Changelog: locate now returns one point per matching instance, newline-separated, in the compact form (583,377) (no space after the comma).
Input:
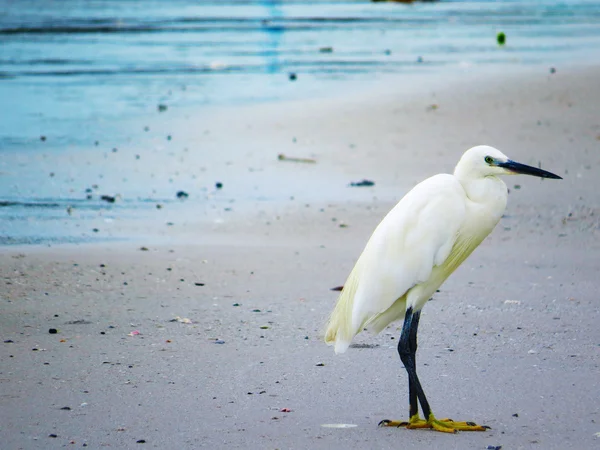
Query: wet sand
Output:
(511,341)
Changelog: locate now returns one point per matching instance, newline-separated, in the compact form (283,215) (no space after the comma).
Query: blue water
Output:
(74,70)
(66,64)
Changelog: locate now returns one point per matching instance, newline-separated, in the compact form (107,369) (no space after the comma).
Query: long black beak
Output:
(516,167)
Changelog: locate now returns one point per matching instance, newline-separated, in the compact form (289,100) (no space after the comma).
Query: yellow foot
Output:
(443,425)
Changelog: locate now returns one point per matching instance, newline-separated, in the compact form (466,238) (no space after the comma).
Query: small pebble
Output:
(363,183)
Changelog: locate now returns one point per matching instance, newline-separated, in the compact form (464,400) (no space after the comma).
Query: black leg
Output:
(407,348)
(412,336)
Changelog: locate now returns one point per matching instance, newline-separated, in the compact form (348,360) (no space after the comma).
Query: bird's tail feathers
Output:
(340,330)
(377,323)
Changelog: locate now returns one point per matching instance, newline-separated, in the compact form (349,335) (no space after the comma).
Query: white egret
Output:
(420,242)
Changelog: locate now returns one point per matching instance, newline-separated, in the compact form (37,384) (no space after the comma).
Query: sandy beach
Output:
(199,324)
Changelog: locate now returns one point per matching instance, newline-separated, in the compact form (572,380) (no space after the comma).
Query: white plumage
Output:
(420,242)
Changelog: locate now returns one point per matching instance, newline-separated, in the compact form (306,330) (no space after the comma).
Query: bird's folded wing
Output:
(416,235)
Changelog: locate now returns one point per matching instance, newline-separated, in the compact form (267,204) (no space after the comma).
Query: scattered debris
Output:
(364,345)
(66,408)
(78,322)
(339,425)
(286,410)
(433,107)
(162,108)
(362,183)
(134,333)
(293,76)
(181,320)
(43,138)
(108,198)
(282,157)
(501,38)
(512,302)
(144,249)
(52,331)
(320,365)
(515,415)
(219,185)
(337,288)
(198,284)
(552,70)
(219,341)
(494,447)
(182,194)
(326,50)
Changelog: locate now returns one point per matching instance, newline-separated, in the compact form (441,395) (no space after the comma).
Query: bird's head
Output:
(483,161)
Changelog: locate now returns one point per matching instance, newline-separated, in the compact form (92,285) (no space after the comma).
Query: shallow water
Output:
(67,65)
(72,73)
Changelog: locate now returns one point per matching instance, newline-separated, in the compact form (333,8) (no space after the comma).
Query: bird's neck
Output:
(487,191)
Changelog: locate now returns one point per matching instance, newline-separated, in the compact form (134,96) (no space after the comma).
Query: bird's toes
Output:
(392,423)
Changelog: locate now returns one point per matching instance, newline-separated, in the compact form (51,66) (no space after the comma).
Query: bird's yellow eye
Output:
(489,159)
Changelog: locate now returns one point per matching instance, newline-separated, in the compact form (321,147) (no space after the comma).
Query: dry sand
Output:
(511,341)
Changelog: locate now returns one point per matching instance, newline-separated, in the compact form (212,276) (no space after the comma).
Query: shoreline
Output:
(369,135)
